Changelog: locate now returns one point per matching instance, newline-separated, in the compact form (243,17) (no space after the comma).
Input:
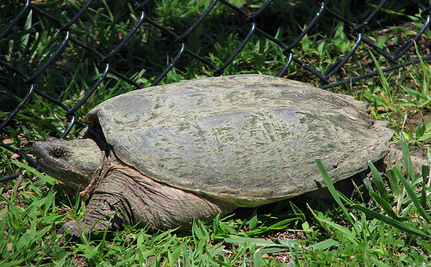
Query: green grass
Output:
(392,229)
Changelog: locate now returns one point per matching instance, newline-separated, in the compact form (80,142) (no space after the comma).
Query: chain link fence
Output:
(143,43)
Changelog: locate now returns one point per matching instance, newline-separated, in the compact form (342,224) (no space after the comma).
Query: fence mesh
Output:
(141,43)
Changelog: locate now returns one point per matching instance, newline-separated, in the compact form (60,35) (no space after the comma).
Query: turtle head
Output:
(72,162)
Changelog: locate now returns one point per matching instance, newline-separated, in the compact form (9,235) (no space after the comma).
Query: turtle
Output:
(164,155)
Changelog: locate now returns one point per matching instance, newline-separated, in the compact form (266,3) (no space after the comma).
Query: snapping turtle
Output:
(164,155)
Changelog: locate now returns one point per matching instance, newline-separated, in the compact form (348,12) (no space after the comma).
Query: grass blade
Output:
(335,194)
(393,183)
(407,160)
(414,197)
(379,181)
(325,244)
(261,242)
(341,229)
(425,179)
(383,80)
(384,204)
(46,178)
(400,225)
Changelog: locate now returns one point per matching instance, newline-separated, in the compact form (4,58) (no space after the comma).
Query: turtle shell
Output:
(246,139)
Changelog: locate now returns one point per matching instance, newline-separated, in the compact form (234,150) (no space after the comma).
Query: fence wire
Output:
(27,63)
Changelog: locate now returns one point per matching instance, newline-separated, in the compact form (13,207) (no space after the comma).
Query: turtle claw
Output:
(80,228)
(72,226)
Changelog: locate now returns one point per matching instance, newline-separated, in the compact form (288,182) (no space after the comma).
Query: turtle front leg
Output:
(104,211)
(108,207)
(125,196)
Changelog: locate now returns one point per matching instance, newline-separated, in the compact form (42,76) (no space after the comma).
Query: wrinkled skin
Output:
(120,194)
(164,155)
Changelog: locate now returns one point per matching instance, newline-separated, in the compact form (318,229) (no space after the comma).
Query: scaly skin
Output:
(125,196)
(164,155)
(120,194)
(72,162)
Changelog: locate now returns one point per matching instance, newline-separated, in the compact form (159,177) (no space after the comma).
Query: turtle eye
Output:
(58,152)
